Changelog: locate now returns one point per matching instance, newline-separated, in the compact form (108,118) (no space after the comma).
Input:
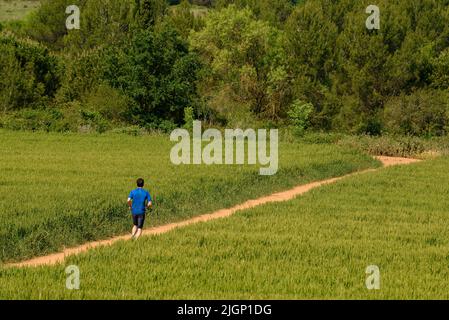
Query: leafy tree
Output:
(102,22)
(245,57)
(440,71)
(83,72)
(258,58)
(422,113)
(274,11)
(47,23)
(31,74)
(349,72)
(299,115)
(311,41)
(158,73)
(148,12)
(184,19)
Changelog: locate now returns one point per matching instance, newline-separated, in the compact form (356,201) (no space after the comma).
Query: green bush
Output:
(130,130)
(393,146)
(273,11)
(102,22)
(70,117)
(245,63)
(84,83)
(422,113)
(440,75)
(92,121)
(349,73)
(47,23)
(38,120)
(110,103)
(82,73)
(299,115)
(148,12)
(30,74)
(158,73)
(164,126)
(185,19)
(188,118)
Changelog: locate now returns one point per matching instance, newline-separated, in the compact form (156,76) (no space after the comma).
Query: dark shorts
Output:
(138,220)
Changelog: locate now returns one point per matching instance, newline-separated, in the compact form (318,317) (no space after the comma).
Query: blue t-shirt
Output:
(139,197)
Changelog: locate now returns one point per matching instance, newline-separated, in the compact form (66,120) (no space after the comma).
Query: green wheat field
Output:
(316,246)
(62,190)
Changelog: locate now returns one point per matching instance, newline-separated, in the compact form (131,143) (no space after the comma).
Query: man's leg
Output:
(135,222)
(138,233)
(140,221)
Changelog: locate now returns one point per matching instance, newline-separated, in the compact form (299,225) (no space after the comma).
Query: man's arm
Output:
(150,202)
(130,203)
(130,200)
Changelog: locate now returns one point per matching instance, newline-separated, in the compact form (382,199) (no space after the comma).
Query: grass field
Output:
(316,246)
(62,190)
(16,9)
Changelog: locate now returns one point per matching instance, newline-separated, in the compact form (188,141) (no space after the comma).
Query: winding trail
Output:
(276,197)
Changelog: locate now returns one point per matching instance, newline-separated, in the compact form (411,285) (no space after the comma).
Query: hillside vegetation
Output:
(305,64)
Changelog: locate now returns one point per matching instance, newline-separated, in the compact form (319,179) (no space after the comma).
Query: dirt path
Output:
(276,197)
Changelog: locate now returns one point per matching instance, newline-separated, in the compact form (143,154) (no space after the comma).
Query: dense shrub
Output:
(349,73)
(188,118)
(390,145)
(83,72)
(102,22)
(110,103)
(245,63)
(148,12)
(158,73)
(273,11)
(70,117)
(440,71)
(47,23)
(299,116)
(29,74)
(38,120)
(393,146)
(184,19)
(422,113)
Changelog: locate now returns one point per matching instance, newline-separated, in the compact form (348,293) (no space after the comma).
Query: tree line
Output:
(158,64)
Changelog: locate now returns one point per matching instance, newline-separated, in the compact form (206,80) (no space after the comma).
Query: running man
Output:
(139,201)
